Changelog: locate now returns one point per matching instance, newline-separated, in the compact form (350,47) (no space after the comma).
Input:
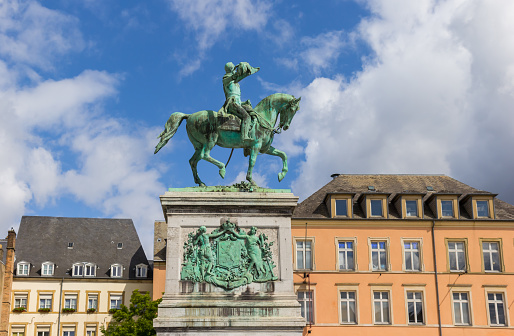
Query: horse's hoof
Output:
(201,184)
(281,176)
(222,173)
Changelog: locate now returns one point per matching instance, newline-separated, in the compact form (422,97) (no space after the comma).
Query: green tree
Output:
(136,320)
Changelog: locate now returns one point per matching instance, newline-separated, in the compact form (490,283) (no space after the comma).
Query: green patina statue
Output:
(227,257)
(235,125)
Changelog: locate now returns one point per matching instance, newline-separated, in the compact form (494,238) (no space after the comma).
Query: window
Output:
(116,271)
(68,333)
(116,301)
(496,307)
(304,254)
(457,256)
(70,245)
(412,253)
(78,270)
(18,331)
(461,308)
(491,253)
(91,330)
(379,255)
(43,331)
(307,306)
(346,261)
(120,246)
(415,307)
(92,301)
(20,300)
(45,301)
(482,209)
(348,304)
(141,271)
(23,268)
(376,208)
(341,207)
(447,208)
(47,269)
(70,301)
(381,307)
(90,270)
(411,208)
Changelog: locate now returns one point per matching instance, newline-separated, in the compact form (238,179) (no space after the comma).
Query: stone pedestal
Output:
(268,308)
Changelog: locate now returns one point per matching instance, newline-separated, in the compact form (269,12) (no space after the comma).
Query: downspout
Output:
(436,281)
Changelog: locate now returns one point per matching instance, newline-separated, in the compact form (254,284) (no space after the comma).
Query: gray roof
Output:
(315,207)
(95,240)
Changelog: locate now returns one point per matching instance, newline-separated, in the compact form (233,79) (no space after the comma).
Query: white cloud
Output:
(35,35)
(435,96)
(322,51)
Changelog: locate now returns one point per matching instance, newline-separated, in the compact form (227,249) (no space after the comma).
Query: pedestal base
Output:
(269,308)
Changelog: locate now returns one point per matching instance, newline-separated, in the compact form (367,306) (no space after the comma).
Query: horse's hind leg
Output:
(193,162)
(207,155)
(251,164)
(273,151)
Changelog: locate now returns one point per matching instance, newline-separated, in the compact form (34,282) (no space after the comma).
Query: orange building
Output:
(404,255)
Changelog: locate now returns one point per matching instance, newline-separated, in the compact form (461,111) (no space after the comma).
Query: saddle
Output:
(230,122)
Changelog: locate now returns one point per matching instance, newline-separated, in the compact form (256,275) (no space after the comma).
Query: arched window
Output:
(23,268)
(141,271)
(47,268)
(116,271)
(89,270)
(78,270)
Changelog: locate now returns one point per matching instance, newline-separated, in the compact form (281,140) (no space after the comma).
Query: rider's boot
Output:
(245,129)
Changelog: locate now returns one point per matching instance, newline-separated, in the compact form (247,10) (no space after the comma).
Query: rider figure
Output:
(231,79)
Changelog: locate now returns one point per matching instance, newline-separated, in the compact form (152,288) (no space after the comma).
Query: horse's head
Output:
(288,112)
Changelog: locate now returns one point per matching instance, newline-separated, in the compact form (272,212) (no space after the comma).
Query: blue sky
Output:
(392,86)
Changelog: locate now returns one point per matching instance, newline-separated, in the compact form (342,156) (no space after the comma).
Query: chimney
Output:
(334,175)
(7,288)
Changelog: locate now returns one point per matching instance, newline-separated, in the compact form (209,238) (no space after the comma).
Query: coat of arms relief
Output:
(227,257)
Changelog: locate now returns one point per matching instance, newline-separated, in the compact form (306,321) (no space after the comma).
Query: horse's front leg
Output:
(251,164)
(273,151)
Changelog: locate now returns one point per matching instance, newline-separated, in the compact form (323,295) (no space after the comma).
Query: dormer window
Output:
(482,209)
(23,268)
(70,245)
(339,204)
(47,268)
(341,207)
(444,205)
(120,246)
(141,271)
(376,208)
(78,270)
(116,271)
(411,208)
(90,270)
(447,208)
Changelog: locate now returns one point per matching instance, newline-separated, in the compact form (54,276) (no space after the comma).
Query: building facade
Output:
(71,274)
(404,254)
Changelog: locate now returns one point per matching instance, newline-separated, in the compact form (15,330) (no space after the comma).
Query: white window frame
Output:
(371,250)
(47,268)
(407,240)
(21,299)
(43,332)
(91,330)
(414,300)
(304,252)
(455,252)
(497,290)
(70,300)
(141,271)
(352,240)
(460,302)
(117,298)
(75,267)
(23,268)
(307,304)
(116,271)
(92,298)
(48,299)
(89,270)
(17,330)
(348,302)
(490,253)
(381,301)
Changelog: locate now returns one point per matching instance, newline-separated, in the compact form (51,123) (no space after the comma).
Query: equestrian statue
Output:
(236,125)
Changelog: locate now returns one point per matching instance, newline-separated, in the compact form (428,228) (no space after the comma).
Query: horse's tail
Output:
(170,128)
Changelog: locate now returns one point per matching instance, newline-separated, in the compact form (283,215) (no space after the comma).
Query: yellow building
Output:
(71,274)
(404,255)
